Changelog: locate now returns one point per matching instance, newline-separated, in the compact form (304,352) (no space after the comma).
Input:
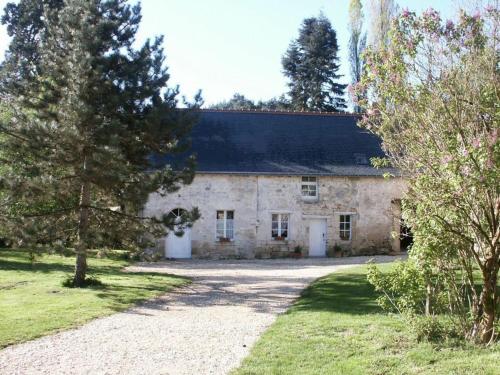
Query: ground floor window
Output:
(345,227)
(225,224)
(279,226)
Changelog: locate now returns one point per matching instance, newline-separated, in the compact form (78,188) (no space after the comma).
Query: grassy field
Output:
(33,303)
(336,327)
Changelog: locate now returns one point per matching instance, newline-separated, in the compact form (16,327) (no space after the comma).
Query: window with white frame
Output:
(309,187)
(225,224)
(279,226)
(345,227)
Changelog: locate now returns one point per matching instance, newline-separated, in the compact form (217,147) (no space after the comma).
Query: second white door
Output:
(317,238)
(178,247)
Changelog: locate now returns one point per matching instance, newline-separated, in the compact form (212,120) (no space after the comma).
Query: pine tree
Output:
(311,64)
(88,113)
(357,42)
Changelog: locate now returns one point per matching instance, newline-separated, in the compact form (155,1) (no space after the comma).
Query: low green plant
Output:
(403,289)
(90,282)
(433,328)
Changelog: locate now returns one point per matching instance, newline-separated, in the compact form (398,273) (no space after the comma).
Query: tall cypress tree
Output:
(311,64)
(382,12)
(88,112)
(357,43)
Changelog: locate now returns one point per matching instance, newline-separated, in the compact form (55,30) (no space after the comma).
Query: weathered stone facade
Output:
(372,203)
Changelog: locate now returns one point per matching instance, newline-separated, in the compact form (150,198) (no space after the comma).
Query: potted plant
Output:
(279,238)
(297,252)
(224,239)
(337,250)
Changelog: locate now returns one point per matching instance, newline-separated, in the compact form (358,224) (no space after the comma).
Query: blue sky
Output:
(227,46)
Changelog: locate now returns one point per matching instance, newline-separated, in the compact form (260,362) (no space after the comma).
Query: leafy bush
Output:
(403,289)
(433,328)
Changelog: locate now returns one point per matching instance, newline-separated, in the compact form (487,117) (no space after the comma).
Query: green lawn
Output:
(33,303)
(336,327)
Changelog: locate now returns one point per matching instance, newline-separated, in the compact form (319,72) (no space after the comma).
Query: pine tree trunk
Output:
(488,300)
(81,248)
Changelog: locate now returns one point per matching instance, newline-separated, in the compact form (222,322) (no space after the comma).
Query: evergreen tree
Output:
(88,112)
(357,43)
(237,102)
(240,102)
(280,103)
(311,64)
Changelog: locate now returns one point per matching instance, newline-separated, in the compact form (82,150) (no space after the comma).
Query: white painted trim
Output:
(350,227)
(225,224)
(315,183)
(289,213)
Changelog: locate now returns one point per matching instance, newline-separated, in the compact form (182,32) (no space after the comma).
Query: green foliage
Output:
(433,100)
(403,288)
(382,14)
(311,64)
(240,102)
(357,42)
(237,102)
(433,328)
(90,116)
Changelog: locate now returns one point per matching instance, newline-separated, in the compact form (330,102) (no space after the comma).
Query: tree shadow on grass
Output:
(341,293)
(38,266)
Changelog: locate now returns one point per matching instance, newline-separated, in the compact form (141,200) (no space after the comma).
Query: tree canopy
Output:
(382,12)
(87,112)
(434,94)
(240,102)
(357,42)
(311,64)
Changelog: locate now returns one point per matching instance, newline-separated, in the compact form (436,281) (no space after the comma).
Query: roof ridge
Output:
(281,112)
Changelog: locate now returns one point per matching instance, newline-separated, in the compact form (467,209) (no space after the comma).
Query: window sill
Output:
(280,239)
(224,240)
(310,199)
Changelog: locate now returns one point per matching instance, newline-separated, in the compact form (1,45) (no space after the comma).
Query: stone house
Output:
(268,183)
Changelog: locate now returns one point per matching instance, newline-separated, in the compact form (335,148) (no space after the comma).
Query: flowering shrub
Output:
(433,98)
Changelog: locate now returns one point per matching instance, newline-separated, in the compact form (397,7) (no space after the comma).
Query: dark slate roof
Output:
(283,143)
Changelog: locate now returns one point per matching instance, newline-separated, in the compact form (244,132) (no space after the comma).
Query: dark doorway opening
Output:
(405,237)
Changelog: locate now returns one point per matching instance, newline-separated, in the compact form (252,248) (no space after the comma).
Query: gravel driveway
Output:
(207,327)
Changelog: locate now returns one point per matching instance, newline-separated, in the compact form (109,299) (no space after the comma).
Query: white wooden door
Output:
(178,246)
(317,238)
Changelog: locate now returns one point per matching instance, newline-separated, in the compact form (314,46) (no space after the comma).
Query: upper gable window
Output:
(309,188)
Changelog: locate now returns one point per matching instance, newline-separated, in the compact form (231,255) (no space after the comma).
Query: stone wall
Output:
(370,201)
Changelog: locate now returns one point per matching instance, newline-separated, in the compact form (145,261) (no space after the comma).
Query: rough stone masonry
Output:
(371,202)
